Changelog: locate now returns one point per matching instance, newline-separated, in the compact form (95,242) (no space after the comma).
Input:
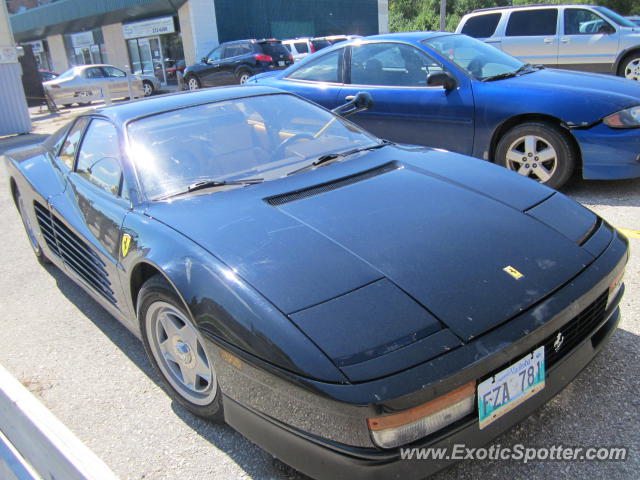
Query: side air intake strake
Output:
(74,252)
(333,185)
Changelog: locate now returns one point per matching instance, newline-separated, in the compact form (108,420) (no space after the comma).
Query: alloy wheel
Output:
(193,84)
(532,156)
(632,69)
(179,352)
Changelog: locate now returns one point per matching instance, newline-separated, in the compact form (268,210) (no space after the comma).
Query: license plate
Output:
(281,63)
(510,387)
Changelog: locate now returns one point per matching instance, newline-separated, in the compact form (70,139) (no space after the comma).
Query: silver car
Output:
(86,83)
(575,37)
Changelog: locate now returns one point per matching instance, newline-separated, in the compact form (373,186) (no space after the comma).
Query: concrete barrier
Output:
(39,442)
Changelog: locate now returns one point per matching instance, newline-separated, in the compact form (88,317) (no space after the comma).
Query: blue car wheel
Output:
(539,151)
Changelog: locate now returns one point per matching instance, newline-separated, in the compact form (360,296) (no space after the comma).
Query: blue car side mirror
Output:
(441,79)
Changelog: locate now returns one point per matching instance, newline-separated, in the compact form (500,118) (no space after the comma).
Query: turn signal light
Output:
(401,428)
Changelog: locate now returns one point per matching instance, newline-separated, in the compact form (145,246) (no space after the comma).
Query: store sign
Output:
(82,39)
(148,28)
(36,46)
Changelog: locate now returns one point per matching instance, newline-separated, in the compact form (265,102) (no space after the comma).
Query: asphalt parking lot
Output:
(93,374)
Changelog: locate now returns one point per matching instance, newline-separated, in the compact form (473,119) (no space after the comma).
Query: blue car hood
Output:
(575,97)
(440,226)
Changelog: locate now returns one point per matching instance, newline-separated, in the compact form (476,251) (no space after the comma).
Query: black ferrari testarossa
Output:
(331,296)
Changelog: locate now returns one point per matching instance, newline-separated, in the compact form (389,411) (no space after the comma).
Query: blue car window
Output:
(390,64)
(99,156)
(67,152)
(326,68)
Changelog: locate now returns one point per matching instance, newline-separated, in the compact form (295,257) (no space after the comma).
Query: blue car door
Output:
(405,109)
(320,79)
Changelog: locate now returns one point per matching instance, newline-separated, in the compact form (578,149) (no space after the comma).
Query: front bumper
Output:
(608,153)
(323,459)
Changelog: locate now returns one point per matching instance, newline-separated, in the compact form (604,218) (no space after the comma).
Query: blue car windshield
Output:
(477,58)
(261,137)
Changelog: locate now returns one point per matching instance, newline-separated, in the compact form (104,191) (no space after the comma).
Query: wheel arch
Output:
(623,55)
(533,117)
(142,272)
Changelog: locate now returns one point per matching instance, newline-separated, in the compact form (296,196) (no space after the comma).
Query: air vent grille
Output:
(75,253)
(333,185)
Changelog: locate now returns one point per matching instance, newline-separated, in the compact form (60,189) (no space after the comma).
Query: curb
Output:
(45,443)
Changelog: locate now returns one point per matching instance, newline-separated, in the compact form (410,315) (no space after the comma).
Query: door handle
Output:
(348,98)
(548,40)
(564,40)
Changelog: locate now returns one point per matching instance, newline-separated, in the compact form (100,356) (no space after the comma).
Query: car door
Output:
(588,41)
(320,79)
(210,73)
(405,109)
(234,56)
(118,81)
(532,35)
(97,84)
(90,212)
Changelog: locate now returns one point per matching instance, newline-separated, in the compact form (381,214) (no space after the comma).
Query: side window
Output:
(99,156)
(94,72)
(67,152)
(481,26)
(529,23)
(302,47)
(215,54)
(327,68)
(390,64)
(287,46)
(578,21)
(114,72)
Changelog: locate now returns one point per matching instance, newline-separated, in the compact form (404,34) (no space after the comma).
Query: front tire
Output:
(242,76)
(630,67)
(537,150)
(193,83)
(147,88)
(31,234)
(176,350)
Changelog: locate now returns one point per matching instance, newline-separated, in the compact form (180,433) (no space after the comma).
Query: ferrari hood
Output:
(469,257)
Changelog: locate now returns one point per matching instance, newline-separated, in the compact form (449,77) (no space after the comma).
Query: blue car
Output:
(457,93)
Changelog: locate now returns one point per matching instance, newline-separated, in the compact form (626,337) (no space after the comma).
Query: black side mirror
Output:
(441,79)
(355,103)
(204,60)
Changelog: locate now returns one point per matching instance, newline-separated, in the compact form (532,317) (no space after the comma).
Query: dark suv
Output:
(234,62)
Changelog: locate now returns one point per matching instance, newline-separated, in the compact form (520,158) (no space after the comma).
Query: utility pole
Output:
(443,15)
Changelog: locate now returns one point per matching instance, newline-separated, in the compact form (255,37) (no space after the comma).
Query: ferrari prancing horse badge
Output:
(126,242)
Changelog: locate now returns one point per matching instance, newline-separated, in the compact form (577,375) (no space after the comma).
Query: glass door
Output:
(158,59)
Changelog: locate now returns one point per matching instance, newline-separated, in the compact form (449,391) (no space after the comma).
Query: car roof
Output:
(124,112)
(406,36)
(530,6)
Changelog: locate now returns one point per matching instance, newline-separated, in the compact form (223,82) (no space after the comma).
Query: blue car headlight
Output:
(627,118)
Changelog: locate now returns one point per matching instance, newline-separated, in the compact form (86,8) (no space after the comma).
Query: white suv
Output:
(576,37)
(301,47)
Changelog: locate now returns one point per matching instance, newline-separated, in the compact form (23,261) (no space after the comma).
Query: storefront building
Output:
(161,37)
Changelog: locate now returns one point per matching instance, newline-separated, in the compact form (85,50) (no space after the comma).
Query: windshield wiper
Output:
(330,157)
(526,68)
(212,184)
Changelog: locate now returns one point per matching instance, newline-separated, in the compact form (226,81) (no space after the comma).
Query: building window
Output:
(85,48)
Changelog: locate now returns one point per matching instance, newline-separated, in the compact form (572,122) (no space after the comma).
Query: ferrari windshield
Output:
(477,58)
(261,137)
